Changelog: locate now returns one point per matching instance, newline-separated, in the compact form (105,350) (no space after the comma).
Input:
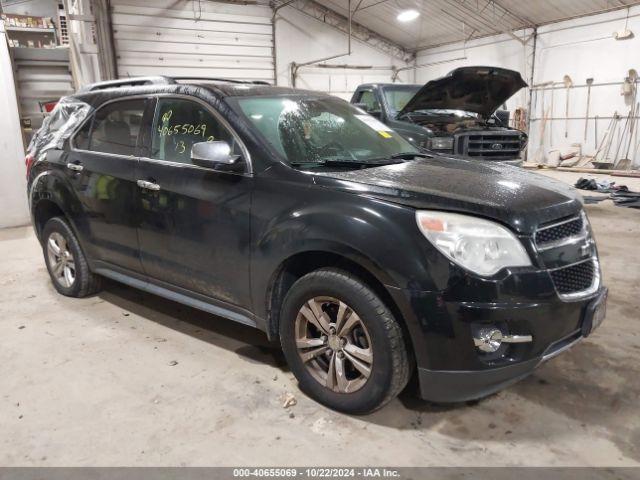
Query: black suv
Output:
(291,211)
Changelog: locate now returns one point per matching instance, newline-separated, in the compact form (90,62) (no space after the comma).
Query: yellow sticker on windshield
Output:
(384,134)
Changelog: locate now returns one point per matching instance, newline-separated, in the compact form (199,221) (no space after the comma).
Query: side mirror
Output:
(503,117)
(362,106)
(216,155)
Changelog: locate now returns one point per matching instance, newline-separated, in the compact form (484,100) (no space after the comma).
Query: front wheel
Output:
(342,342)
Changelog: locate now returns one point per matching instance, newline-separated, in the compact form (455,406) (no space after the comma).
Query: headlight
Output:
(441,143)
(481,246)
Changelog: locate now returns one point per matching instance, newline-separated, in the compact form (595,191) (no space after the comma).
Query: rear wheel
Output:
(67,265)
(342,343)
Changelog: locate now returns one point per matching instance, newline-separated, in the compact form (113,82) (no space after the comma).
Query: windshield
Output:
(398,97)
(318,130)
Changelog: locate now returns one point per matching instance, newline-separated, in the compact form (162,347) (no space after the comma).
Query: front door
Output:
(367,98)
(194,226)
(101,167)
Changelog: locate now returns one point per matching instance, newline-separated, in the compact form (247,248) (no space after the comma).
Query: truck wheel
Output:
(67,265)
(342,343)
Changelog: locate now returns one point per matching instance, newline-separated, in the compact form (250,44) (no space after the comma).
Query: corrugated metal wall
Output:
(191,38)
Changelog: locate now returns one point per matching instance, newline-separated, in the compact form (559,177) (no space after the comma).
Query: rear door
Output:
(194,226)
(101,167)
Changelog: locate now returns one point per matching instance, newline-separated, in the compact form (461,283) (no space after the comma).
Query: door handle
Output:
(75,167)
(148,185)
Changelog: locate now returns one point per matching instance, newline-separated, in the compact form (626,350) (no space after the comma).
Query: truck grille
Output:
(490,145)
(556,233)
(574,278)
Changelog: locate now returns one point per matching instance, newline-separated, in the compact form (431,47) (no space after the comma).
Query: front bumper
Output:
(460,386)
(450,367)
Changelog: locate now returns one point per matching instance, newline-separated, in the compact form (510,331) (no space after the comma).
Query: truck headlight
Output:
(441,143)
(481,246)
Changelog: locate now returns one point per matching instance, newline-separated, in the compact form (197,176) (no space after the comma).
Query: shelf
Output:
(59,54)
(9,28)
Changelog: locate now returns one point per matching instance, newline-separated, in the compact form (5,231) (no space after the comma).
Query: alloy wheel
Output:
(61,261)
(334,344)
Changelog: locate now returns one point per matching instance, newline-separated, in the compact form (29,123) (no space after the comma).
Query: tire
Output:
(376,336)
(57,233)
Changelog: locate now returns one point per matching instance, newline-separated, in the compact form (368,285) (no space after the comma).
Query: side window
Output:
(180,123)
(368,98)
(114,129)
(81,140)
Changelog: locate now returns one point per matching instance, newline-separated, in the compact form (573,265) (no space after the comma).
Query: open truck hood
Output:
(473,89)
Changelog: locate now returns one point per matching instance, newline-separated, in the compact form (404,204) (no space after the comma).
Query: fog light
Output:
(488,340)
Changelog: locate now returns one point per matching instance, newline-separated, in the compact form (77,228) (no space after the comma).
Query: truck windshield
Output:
(324,130)
(398,97)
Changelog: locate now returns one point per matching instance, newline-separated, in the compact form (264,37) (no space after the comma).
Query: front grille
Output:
(559,231)
(574,278)
(490,145)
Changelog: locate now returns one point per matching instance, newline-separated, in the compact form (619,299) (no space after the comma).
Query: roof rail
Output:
(158,80)
(228,80)
(126,82)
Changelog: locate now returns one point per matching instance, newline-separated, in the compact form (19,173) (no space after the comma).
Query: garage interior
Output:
(128,378)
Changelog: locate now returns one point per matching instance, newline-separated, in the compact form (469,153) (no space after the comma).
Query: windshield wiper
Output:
(409,155)
(343,163)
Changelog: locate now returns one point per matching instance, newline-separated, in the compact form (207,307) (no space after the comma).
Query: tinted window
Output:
(369,99)
(178,124)
(114,129)
(81,140)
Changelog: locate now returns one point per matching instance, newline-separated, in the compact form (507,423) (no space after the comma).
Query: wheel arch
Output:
(301,263)
(50,196)
(43,210)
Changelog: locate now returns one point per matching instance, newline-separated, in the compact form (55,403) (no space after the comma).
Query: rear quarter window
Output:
(68,114)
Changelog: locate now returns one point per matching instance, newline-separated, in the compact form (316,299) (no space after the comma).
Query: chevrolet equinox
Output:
(297,213)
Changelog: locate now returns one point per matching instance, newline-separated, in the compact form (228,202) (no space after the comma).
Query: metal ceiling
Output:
(447,21)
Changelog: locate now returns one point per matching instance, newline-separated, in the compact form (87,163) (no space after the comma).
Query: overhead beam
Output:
(525,21)
(359,32)
(479,18)
(522,41)
(373,4)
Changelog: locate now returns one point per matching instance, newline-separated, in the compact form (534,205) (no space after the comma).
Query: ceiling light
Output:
(408,15)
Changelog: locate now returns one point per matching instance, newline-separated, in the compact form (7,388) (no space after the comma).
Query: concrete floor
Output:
(94,382)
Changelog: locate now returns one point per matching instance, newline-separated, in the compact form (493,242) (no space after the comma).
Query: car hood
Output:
(473,89)
(510,195)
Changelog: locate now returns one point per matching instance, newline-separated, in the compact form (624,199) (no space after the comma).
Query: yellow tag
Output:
(384,134)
